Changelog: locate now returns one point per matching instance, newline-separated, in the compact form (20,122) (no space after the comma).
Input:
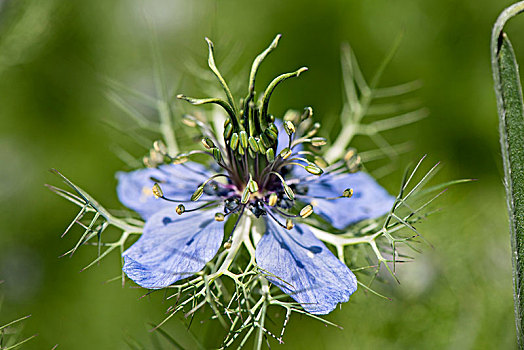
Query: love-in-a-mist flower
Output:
(261,167)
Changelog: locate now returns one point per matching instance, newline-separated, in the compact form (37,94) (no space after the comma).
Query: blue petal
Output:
(301,266)
(173,247)
(176,181)
(369,199)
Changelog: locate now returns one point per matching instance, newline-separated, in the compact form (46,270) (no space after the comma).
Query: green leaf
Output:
(511,126)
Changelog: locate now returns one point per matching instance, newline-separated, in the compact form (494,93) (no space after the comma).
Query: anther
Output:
(271,134)
(306,211)
(289,224)
(285,153)
(243,139)
(180,209)
(157,191)
(197,194)
(318,141)
(252,185)
(313,169)
(156,157)
(261,147)
(321,162)
(245,196)
(189,122)
(219,217)
(233,142)
(289,127)
(273,198)
(160,147)
(227,245)
(217,155)
(270,155)
(180,159)
(253,144)
(348,193)
(208,143)
(228,130)
(147,162)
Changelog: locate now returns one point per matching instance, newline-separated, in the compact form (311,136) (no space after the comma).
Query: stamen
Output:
(306,211)
(273,198)
(287,190)
(157,191)
(200,190)
(289,127)
(160,147)
(270,155)
(206,141)
(180,209)
(289,224)
(219,217)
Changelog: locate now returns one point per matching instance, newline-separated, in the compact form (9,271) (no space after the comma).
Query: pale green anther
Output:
(313,130)
(306,211)
(147,162)
(261,147)
(313,169)
(273,198)
(241,151)
(348,192)
(245,196)
(353,164)
(285,153)
(157,191)
(289,127)
(228,130)
(180,209)
(233,142)
(243,139)
(252,185)
(270,155)
(252,154)
(156,157)
(273,127)
(265,140)
(253,144)
(308,112)
(219,217)
(217,155)
(321,162)
(288,191)
(189,122)
(160,147)
(318,141)
(198,193)
(208,143)
(227,122)
(271,133)
(180,159)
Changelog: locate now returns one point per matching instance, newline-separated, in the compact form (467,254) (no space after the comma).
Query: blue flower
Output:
(266,173)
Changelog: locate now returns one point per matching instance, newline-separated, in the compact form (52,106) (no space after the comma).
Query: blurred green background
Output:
(53,57)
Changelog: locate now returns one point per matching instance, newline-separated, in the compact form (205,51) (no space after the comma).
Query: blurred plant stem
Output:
(511,127)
